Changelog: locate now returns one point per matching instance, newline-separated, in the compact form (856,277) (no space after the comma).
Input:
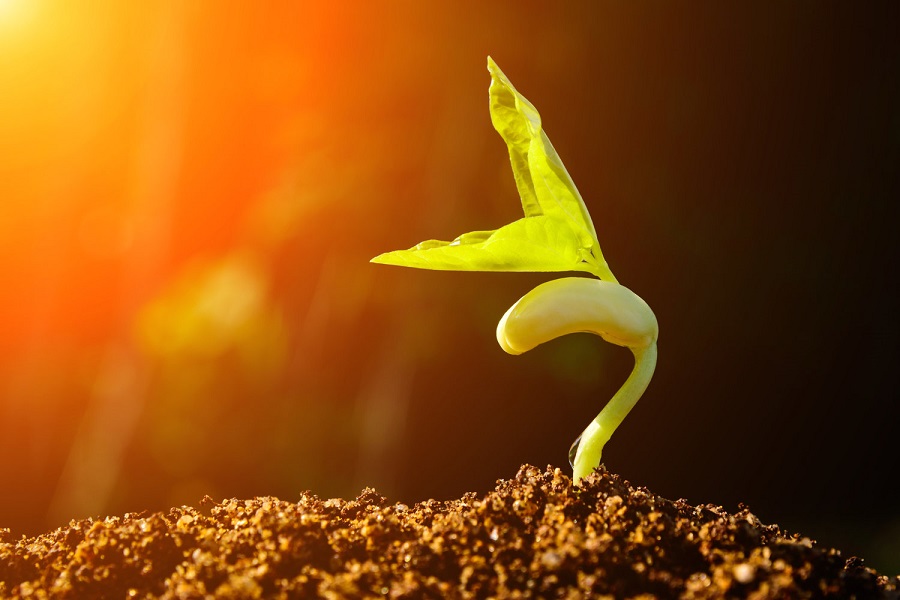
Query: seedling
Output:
(555,235)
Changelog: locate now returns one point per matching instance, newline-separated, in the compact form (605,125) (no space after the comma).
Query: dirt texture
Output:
(534,536)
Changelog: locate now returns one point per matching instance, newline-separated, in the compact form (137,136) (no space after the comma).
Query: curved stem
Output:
(615,313)
(595,436)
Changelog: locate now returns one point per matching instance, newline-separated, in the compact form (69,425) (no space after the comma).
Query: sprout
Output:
(556,234)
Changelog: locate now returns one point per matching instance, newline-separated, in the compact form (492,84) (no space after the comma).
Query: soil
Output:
(534,536)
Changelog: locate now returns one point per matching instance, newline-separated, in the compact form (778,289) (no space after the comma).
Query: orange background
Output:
(190,196)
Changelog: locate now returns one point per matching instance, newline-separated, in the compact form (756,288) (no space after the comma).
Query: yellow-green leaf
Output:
(556,233)
(539,243)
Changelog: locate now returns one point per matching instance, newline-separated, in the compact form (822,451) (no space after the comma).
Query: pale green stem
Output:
(576,304)
(595,436)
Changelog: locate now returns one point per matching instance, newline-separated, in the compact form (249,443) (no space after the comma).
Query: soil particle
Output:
(534,536)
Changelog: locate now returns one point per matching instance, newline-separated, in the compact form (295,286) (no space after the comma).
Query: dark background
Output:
(191,195)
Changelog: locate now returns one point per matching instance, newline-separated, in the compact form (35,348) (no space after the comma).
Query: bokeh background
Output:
(190,194)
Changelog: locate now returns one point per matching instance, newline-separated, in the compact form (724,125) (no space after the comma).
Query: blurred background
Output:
(190,194)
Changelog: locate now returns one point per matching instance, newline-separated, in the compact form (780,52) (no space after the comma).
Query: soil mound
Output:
(534,536)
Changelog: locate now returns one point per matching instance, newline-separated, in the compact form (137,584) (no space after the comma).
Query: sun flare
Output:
(16,17)
(11,10)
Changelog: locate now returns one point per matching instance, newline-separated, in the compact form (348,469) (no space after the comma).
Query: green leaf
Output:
(538,243)
(556,234)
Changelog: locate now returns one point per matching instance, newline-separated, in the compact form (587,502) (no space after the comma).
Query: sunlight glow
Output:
(14,14)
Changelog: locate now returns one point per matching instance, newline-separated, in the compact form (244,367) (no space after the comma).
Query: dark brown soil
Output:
(535,536)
